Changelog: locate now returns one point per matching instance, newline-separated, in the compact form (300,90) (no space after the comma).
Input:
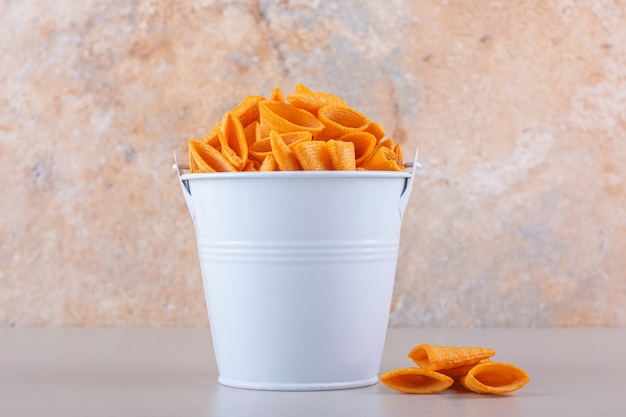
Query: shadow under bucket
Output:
(298,271)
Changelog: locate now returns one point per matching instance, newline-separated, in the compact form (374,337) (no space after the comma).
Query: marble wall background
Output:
(518,217)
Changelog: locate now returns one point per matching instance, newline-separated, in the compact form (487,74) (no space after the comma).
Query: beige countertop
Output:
(171,372)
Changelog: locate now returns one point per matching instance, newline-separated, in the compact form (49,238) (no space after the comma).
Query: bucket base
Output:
(315,386)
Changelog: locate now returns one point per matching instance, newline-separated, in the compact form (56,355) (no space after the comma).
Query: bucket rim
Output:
(296,174)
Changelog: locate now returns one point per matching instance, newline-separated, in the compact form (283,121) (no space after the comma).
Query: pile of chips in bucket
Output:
(305,130)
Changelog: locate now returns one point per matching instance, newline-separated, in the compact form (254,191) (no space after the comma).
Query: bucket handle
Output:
(404,197)
(184,185)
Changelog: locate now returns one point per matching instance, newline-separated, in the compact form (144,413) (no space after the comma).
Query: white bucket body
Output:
(298,271)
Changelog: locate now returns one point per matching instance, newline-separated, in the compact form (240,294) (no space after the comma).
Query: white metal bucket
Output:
(298,271)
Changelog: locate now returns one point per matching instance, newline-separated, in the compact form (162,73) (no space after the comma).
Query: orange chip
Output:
(312,101)
(375,129)
(247,111)
(340,120)
(205,158)
(364,143)
(260,149)
(495,378)
(435,357)
(285,158)
(303,89)
(213,138)
(193,165)
(416,381)
(399,156)
(313,155)
(277,95)
(382,159)
(341,155)
(269,164)
(233,141)
(283,118)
